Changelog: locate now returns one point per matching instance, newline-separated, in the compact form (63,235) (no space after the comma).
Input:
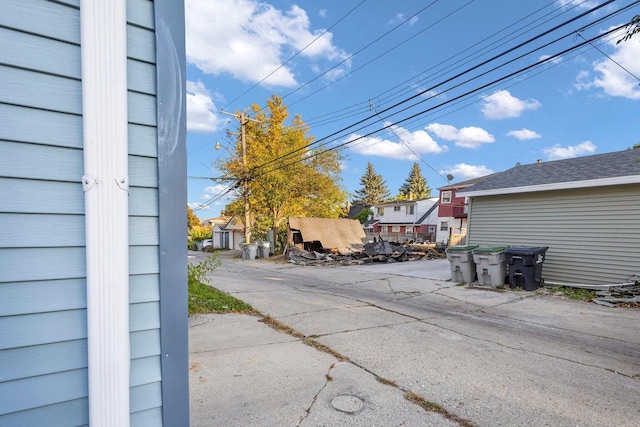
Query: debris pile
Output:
(373,252)
(620,296)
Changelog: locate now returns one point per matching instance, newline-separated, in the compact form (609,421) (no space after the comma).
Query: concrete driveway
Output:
(487,358)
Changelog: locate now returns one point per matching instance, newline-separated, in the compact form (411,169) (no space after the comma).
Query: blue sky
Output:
(339,63)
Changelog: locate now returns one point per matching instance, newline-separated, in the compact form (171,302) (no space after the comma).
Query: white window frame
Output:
(445,197)
(410,210)
(395,228)
(396,208)
(409,230)
(380,211)
(432,229)
(444,226)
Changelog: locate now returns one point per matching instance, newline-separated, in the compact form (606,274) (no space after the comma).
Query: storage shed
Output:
(586,210)
(93,295)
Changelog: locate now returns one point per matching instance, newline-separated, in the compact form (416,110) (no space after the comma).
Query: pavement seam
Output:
(328,378)
(408,394)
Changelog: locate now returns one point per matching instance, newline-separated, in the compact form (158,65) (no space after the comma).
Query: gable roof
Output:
(370,223)
(619,167)
(355,210)
(427,213)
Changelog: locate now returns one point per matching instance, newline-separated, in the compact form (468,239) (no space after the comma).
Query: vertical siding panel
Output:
(144,290)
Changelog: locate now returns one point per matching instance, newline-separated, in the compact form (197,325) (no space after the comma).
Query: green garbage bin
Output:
(491,265)
(463,269)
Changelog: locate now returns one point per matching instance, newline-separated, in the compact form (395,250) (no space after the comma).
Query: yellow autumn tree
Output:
(286,176)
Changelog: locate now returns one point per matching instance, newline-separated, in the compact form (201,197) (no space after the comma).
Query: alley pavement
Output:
(400,345)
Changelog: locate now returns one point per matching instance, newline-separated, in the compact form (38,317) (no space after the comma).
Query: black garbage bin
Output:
(525,266)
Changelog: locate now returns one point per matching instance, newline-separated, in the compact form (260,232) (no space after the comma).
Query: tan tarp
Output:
(345,235)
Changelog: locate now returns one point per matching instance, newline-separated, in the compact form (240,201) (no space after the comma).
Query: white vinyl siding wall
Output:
(593,234)
(43,349)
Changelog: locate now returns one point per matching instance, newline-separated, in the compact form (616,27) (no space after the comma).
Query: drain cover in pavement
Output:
(347,403)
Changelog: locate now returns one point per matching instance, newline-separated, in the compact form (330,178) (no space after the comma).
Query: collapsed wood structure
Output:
(341,241)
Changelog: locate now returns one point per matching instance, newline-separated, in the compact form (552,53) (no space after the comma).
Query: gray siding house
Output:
(93,316)
(586,210)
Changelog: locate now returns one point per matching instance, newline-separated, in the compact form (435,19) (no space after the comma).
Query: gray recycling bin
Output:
(491,265)
(263,249)
(249,250)
(463,269)
(252,251)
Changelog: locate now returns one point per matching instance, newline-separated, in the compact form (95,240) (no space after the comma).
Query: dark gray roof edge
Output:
(587,171)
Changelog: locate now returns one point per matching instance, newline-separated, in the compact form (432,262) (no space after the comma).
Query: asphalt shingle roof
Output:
(600,166)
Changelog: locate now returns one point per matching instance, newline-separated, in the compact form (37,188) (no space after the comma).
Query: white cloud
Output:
(611,77)
(201,111)
(399,18)
(463,171)
(555,60)
(249,39)
(502,105)
(467,137)
(588,4)
(524,134)
(557,152)
(419,141)
(322,13)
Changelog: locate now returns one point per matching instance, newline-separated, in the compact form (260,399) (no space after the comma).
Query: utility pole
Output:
(243,120)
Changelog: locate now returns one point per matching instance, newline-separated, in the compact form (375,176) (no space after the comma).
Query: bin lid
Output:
(527,250)
(461,248)
(489,249)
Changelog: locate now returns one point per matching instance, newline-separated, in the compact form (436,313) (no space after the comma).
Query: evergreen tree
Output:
(374,188)
(415,187)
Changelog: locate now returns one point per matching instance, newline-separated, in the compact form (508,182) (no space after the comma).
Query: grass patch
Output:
(577,294)
(207,299)
(434,407)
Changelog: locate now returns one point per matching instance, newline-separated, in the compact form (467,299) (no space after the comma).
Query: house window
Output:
(380,211)
(410,210)
(444,226)
(409,230)
(432,229)
(396,208)
(446,197)
(395,229)
(385,229)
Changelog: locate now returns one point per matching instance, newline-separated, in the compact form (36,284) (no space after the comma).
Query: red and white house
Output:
(405,220)
(452,212)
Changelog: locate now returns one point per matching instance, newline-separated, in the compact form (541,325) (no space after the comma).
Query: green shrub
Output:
(207,299)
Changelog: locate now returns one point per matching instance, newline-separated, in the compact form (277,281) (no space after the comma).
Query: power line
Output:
(473,68)
(466,60)
(610,58)
(294,55)
(464,95)
(361,49)
(385,52)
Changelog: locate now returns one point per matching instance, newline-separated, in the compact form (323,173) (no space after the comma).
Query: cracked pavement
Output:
(488,357)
